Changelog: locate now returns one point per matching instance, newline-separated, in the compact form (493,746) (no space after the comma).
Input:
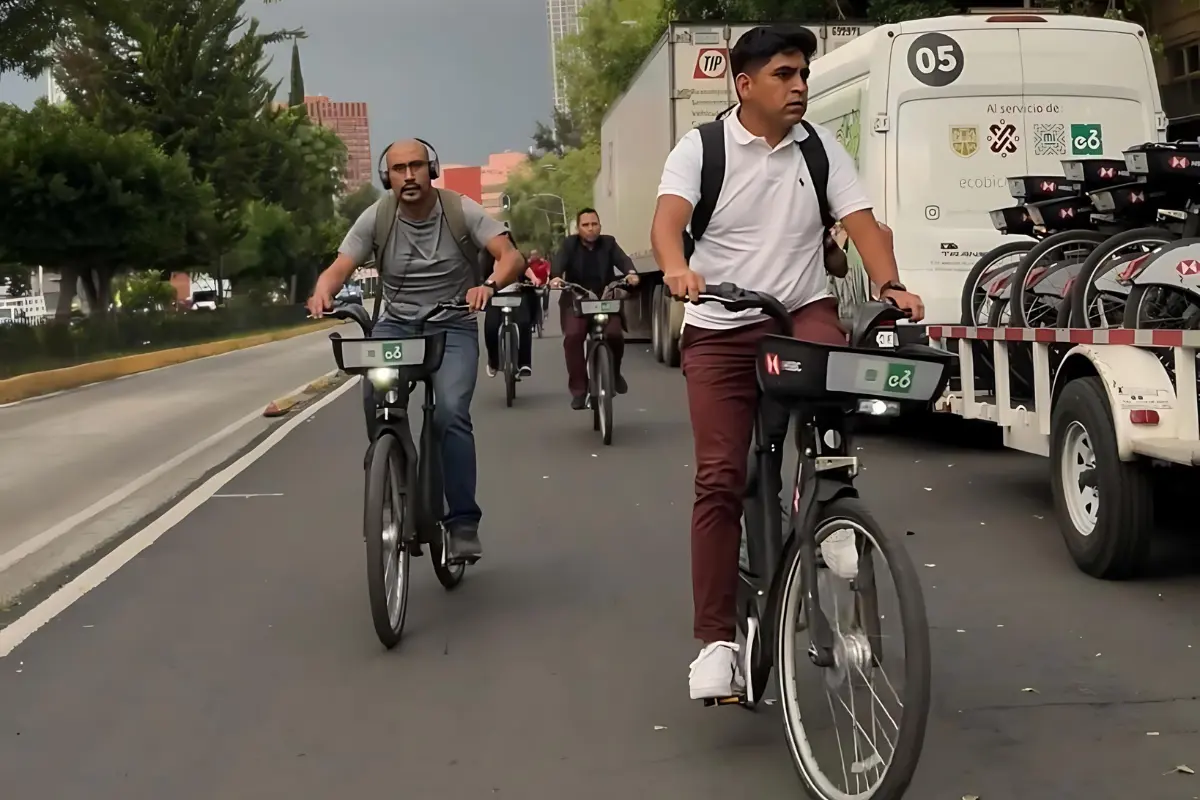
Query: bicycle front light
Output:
(879,408)
(601,319)
(383,377)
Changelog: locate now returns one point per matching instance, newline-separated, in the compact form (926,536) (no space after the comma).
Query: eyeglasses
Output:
(411,166)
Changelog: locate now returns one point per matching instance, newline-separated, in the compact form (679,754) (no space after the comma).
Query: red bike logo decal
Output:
(1108,172)
(1066,212)
(772,364)
(1047,186)
(1189,266)
(1179,162)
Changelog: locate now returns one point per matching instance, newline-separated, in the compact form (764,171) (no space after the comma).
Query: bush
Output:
(54,344)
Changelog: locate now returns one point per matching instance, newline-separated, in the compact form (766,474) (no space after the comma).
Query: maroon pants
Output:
(722,396)
(575,330)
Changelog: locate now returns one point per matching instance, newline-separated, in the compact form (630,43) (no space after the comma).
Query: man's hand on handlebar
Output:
(557,283)
(320,302)
(478,297)
(684,283)
(632,278)
(906,301)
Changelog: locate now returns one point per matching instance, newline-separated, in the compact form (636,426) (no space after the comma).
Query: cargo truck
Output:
(683,83)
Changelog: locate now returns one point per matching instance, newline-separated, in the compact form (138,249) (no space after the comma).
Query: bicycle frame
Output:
(423,521)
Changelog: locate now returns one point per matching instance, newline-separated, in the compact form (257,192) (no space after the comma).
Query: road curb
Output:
(282,405)
(35,384)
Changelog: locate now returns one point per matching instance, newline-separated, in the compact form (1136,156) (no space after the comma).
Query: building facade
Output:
(562,19)
(351,124)
(485,184)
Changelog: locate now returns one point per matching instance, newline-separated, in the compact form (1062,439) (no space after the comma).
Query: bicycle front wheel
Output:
(603,402)
(510,365)
(384,524)
(874,757)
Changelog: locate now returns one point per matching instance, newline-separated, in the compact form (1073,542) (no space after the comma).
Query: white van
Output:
(938,113)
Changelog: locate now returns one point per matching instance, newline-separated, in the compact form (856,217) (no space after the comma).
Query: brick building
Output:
(349,121)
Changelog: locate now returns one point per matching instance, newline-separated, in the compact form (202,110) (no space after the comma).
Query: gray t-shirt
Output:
(422,265)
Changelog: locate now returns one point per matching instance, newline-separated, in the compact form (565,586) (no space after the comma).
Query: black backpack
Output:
(712,176)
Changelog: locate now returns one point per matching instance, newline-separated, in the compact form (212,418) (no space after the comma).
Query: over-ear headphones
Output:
(435,165)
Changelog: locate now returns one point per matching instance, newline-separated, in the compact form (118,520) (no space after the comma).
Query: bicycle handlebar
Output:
(356,313)
(588,294)
(735,298)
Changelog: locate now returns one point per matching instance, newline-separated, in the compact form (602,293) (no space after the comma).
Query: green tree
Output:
(296,90)
(143,290)
(559,136)
(599,61)
(14,278)
(356,202)
(191,73)
(535,212)
(91,204)
(27,30)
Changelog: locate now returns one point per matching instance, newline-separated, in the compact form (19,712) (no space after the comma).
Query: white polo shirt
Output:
(765,233)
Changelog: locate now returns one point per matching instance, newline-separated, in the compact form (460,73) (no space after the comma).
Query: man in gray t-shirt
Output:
(422,265)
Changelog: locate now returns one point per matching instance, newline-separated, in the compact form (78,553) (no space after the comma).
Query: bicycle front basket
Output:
(416,355)
(800,372)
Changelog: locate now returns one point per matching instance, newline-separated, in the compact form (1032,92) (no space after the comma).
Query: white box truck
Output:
(683,83)
(938,113)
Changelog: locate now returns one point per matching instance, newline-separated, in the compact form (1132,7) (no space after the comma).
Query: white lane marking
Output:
(93,576)
(31,546)
(244,496)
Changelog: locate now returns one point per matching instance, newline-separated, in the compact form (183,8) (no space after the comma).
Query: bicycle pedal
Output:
(736,700)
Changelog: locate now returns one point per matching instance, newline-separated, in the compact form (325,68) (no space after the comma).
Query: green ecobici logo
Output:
(1087,139)
(899,378)
(393,353)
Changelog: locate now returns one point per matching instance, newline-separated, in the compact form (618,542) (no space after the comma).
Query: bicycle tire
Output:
(1097,263)
(606,385)
(509,354)
(916,692)
(982,273)
(387,491)
(1078,238)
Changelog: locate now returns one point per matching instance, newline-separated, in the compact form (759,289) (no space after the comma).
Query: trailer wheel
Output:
(1104,505)
(656,323)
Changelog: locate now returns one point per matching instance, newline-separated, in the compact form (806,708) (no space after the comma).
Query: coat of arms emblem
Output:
(964,140)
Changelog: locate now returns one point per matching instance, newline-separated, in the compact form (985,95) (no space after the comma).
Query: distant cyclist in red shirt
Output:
(539,267)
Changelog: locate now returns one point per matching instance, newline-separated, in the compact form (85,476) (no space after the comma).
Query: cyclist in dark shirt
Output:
(592,260)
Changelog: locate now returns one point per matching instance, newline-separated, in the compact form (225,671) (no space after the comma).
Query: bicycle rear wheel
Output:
(879,770)
(384,522)
(603,402)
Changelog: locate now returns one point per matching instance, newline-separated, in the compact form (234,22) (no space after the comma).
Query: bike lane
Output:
(235,656)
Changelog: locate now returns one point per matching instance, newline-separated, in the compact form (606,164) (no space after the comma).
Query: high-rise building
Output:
(349,122)
(562,19)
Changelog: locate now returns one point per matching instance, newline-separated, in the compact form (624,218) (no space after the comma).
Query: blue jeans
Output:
(453,388)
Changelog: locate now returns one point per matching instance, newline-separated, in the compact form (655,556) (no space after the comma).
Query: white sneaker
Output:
(491,372)
(840,553)
(716,672)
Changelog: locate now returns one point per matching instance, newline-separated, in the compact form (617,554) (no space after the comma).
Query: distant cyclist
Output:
(767,235)
(524,318)
(539,270)
(426,242)
(592,260)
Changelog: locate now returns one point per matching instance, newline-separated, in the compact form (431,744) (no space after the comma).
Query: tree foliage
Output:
(356,202)
(27,30)
(92,204)
(296,89)
(539,191)
(191,73)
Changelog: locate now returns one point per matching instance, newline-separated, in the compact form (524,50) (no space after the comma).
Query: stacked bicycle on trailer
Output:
(1080,340)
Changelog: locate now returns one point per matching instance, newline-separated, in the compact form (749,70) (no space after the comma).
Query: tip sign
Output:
(711,63)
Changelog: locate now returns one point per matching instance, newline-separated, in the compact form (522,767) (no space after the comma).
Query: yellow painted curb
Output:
(34,384)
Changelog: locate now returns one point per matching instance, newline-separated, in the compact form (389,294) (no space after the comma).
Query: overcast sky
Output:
(472,76)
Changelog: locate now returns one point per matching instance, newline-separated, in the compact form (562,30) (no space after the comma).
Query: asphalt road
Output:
(61,454)
(235,657)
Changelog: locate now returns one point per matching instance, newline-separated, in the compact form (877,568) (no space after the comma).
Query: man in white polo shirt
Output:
(765,234)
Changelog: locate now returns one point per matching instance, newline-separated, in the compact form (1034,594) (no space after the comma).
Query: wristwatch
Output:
(491,284)
(892,285)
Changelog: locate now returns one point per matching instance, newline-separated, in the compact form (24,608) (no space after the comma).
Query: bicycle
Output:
(509,340)
(820,386)
(398,517)
(601,372)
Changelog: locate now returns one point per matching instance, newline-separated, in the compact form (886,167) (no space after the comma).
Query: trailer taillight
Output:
(1143,416)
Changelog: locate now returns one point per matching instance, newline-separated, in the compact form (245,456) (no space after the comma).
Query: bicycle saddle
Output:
(870,316)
